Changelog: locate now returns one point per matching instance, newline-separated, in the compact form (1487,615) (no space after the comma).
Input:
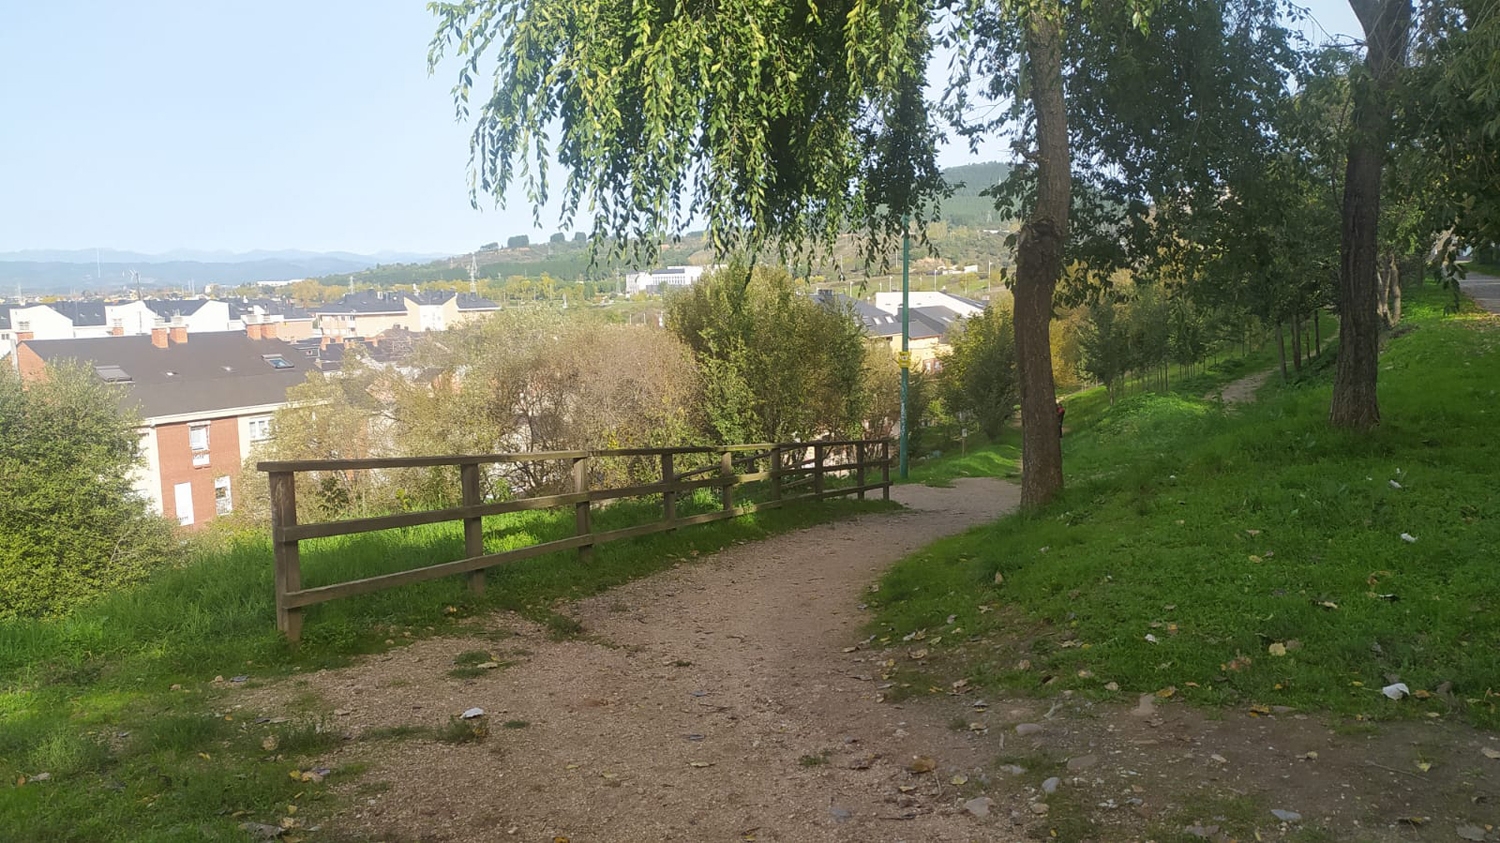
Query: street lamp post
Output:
(905,358)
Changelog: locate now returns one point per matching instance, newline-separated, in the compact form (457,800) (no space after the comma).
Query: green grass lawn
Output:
(1253,557)
(90,701)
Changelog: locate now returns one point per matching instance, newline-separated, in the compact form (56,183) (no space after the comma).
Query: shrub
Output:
(71,525)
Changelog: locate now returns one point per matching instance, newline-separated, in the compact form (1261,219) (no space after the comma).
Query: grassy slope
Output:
(1221,535)
(88,699)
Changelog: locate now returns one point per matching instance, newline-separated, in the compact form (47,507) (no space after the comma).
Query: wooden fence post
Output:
(726,474)
(885,470)
(581,509)
(776,472)
(473,526)
(668,498)
(859,473)
(288,554)
(818,469)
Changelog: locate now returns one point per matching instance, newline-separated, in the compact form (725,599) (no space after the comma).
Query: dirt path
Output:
(1242,390)
(712,702)
(733,700)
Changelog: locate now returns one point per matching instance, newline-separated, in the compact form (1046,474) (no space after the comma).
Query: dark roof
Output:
(369,301)
(211,371)
(4,317)
(474,301)
(82,313)
(168,308)
(926,322)
(271,307)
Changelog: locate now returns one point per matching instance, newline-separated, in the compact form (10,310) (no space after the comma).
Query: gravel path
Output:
(715,701)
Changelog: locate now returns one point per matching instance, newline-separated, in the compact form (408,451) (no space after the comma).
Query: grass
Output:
(1193,545)
(118,702)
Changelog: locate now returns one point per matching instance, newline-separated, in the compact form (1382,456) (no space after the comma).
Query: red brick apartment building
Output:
(203,402)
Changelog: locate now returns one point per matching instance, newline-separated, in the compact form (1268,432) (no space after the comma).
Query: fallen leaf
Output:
(1166,692)
(1424,766)
(1277,649)
(269,744)
(922,764)
(959,780)
(700,764)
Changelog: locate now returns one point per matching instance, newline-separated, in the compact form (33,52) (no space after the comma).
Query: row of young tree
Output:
(1152,136)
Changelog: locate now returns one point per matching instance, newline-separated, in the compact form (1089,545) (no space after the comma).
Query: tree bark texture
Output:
(1386,24)
(1039,260)
(1281,347)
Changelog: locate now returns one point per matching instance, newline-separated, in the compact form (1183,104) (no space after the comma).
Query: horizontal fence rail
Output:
(793,471)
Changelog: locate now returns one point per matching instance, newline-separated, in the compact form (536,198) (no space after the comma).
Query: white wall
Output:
(135,317)
(147,479)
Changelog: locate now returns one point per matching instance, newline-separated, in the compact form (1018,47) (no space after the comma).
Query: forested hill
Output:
(966,207)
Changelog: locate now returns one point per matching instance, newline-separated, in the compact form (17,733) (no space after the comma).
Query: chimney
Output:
(159,334)
(253,328)
(23,336)
(179,331)
(117,328)
(268,330)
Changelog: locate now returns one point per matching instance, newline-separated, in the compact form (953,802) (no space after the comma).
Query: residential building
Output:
(658,280)
(933,315)
(204,400)
(373,312)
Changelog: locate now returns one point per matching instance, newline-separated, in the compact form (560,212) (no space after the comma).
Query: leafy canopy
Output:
(778,123)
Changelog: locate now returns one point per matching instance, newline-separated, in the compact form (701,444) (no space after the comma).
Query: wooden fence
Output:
(795,471)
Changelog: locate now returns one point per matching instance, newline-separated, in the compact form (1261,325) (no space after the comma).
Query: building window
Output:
(260,429)
(198,437)
(222,503)
(276,361)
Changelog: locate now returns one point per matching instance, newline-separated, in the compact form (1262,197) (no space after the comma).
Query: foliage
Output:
(1219,534)
(517,241)
(71,524)
(776,364)
(978,378)
(520,380)
(780,123)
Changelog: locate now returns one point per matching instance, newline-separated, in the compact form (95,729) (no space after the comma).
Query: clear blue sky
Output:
(154,125)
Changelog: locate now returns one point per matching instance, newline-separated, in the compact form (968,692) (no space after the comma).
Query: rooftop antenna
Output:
(135,281)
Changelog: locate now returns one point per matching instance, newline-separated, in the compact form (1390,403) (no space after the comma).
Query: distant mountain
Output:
(76,270)
(201,256)
(966,207)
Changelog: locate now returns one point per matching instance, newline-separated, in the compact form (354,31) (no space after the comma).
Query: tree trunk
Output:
(1281,347)
(1386,24)
(1039,257)
(1296,344)
(1318,330)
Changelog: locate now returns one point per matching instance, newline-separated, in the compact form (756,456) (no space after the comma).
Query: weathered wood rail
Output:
(795,471)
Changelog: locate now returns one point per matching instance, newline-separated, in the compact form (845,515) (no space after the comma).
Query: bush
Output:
(979,377)
(71,525)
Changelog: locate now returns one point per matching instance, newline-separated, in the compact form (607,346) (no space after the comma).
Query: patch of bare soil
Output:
(1242,390)
(729,700)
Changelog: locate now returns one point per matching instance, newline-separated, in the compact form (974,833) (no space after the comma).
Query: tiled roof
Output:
(211,371)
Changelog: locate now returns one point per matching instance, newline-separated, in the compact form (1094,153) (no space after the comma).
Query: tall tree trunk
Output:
(1296,343)
(1281,347)
(1387,24)
(1318,331)
(1039,257)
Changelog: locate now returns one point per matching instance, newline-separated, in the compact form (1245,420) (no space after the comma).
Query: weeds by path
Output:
(1258,559)
(115,723)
